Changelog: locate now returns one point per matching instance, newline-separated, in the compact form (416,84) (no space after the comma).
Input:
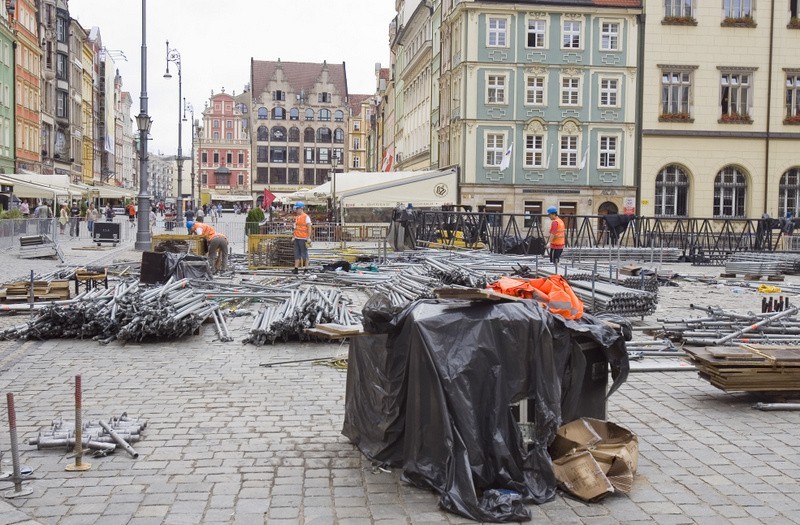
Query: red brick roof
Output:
(300,75)
(384,73)
(355,103)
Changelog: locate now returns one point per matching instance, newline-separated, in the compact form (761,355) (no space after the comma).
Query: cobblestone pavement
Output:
(232,442)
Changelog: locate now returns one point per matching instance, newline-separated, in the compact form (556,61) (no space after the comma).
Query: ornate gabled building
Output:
(298,117)
(359,121)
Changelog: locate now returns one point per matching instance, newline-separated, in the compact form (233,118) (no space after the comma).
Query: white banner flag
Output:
(506,161)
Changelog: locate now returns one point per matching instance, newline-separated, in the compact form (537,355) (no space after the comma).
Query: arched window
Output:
(324,135)
(262,133)
(294,134)
(308,135)
(338,136)
(279,134)
(309,114)
(279,114)
(324,115)
(730,191)
(672,192)
(294,114)
(263,113)
(339,115)
(789,193)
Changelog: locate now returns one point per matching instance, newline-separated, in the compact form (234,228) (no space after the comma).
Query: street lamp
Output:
(188,107)
(199,130)
(143,123)
(175,57)
(334,164)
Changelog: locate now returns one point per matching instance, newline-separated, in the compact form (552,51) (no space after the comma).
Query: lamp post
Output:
(143,122)
(334,164)
(188,107)
(175,57)
(199,130)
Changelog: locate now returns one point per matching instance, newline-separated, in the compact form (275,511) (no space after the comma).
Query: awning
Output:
(59,184)
(111,192)
(30,190)
(225,197)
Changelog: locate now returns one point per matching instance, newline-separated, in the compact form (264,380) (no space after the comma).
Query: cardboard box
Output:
(593,458)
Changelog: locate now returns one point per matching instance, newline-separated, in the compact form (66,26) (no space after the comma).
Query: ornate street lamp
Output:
(188,107)
(143,123)
(198,124)
(175,57)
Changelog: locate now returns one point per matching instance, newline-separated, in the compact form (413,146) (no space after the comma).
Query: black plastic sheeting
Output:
(433,397)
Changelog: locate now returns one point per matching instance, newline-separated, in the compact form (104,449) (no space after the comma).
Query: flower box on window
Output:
(735,118)
(679,21)
(675,117)
(743,21)
(794,120)
(794,23)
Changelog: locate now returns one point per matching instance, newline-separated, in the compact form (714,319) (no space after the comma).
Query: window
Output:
(737,8)
(323,155)
(204,179)
(61,66)
(338,136)
(324,135)
(215,124)
(496,89)
(294,134)
(356,162)
(537,34)
(308,155)
(338,116)
(204,158)
(216,157)
(495,147)
(308,176)
(609,36)
(309,114)
(294,176)
(534,151)
(294,114)
(534,91)
(241,158)
(61,30)
(277,176)
(793,96)
(675,92)
(241,179)
(571,34)
(729,193)
(735,94)
(278,95)
(672,191)
(229,158)
(229,124)
(62,103)
(532,209)
(608,92)
(278,134)
(279,114)
(678,8)
(263,113)
(262,154)
(356,143)
(308,135)
(229,135)
(277,154)
(356,125)
(294,155)
(497,33)
(568,151)
(789,193)
(324,97)
(608,152)
(570,91)
(324,115)
(216,135)
(262,134)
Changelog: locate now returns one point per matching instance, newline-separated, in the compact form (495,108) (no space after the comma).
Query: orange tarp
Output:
(554,293)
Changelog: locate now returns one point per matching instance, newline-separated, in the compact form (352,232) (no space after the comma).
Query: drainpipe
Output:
(637,159)
(769,102)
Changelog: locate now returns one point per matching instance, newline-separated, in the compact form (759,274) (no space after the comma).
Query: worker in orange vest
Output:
(558,235)
(300,236)
(217,245)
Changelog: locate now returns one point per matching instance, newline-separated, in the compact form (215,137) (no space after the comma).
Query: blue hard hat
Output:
(552,209)
(299,204)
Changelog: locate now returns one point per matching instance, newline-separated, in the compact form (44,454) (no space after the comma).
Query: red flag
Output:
(269,198)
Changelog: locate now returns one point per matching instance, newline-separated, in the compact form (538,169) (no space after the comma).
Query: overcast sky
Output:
(216,40)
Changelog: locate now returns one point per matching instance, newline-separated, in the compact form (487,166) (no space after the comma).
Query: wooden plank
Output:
(473,294)
(340,329)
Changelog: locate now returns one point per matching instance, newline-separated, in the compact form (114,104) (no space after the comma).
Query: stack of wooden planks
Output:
(42,291)
(749,367)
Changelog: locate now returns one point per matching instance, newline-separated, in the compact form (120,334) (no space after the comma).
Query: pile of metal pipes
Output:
(786,263)
(600,297)
(754,268)
(654,253)
(128,312)
(98,436)
(304,308)
(720,327)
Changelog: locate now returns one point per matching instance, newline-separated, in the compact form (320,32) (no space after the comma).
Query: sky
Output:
(216,40)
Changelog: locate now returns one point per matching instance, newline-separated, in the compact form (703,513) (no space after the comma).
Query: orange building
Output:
(27,72)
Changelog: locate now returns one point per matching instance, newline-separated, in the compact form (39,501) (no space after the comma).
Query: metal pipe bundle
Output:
(127,312)
(720,327)
(100,436)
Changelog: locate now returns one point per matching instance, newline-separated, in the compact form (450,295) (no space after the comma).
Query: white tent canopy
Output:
(110,192)
(231,198)
(57,184)
(387,190)
(30,190)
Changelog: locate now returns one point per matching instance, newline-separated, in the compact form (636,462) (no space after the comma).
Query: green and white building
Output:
(7,101)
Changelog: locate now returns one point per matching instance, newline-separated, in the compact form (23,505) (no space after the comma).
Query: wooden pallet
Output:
(748,368)
(752,276)
(42,291)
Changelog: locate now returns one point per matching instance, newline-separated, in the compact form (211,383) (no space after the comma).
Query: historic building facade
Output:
(222,151)
(358,124)
(298,116)
(7,95)
(721,111)
(87,115)
(28,74)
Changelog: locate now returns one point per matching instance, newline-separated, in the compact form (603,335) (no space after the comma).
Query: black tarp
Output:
(433,397)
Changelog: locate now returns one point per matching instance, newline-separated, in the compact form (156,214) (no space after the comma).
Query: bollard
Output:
(79,465)
(16,476)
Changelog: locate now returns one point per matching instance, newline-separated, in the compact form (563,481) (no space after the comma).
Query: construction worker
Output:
(217,245)
(300,236)
(558,235)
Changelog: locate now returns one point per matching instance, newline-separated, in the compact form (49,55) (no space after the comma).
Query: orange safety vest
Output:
(204,229)
(301,230)
(559,237)
(553,293)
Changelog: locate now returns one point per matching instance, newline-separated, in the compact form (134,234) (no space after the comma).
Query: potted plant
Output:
(742,21)
(675,117)
(793,120)
(254,217)
(735,118)
(794,23)
(679,21)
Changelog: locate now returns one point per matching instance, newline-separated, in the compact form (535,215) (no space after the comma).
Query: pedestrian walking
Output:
(557,237)
(74,219)
(131,209)
(43,214)
(109,213)
(63,218)
(300,236)
(189,216)
(24,209)
(92,216)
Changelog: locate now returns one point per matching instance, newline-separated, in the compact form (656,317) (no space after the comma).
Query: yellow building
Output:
(87,85)
(358,126)
(721,110)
